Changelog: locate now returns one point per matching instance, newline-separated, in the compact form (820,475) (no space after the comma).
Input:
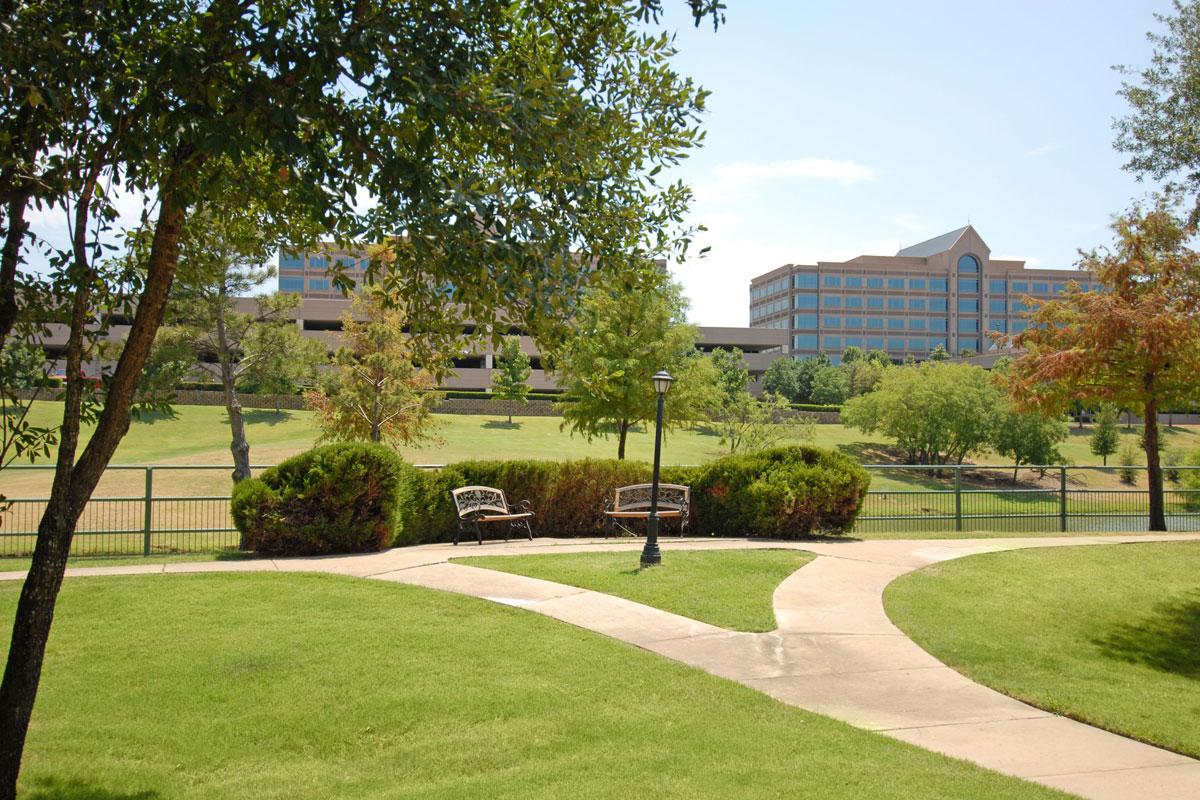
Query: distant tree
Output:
(622,337)
(22,365)
(510,376)
(172,359)
(376,392)
(966,352)
(1028,438)
(1136,345)
(910,360)
(936,411)
(1164,99)
(852,354)
(751,423)
(783,377)
(862,375)
(1103,441)
(829,386)
(939,353)
(880,357)
(1002,365)
(278,360)
(1128,460)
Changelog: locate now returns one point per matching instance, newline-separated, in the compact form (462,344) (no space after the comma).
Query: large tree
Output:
(1158,134)
(1136,344)
(621,339)
(519,137)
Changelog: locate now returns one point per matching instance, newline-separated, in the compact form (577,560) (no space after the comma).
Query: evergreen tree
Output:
(1103,441)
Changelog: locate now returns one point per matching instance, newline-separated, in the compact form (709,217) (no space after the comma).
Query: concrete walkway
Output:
(835,651)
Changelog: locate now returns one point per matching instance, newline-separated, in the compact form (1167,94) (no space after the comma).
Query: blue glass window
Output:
(997,325)
(805,341)
(833,280)
(1019,325)
(896,303)
(895,324)
(938,284)
(853,302)
(916,345)
(874,283)
(968,325)
(805,321)
(997,286)
(806,301)
(937,304)
(895,283)
(996,306)
(1020,287)
(834,358)
(875,323)
(831,322)
(832,301)
(347,262)
(874,342)
(853,341)
(916,304)
(291,284)
(933,343)
(969,344)
(916,283)
(853,282)
(968,306)
(968,264)
(1059,288)
(968,285)
(318,262)
(318,285)
(805,281)
(833,341)
(1019,307)
(1041,288)
(874,302)
(916,324)
(895,344)
(937,324)
(290,260)
(853,322)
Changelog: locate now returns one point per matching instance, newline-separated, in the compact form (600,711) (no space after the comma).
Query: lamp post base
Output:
(651,555)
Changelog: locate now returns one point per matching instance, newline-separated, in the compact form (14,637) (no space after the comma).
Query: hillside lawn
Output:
(316,686)
(1108,635)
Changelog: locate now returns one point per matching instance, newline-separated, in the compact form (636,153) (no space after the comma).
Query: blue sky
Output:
(842,129)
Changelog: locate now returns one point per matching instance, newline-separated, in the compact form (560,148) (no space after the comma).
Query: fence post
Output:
(149,511)
(1062,499)
(958,498)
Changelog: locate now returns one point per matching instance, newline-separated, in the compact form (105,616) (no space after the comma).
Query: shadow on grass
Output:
(53,789)
(1168,641)
(158,415)
(264,416)
(501,424)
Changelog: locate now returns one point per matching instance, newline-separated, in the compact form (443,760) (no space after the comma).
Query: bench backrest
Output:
(637,497)
(474,499)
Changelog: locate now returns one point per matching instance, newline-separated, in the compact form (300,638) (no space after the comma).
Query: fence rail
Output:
(162,509)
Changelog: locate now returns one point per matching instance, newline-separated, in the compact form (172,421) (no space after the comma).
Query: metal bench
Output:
(479,505)
(633,502)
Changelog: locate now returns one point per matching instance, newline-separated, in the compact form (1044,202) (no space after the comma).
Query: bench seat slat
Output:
(662,512)
(503,517)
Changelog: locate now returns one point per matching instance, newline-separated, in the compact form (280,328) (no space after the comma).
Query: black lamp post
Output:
(650,553)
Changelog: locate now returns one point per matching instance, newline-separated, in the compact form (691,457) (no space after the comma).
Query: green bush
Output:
(1128,458)
(786,492)
(340,498)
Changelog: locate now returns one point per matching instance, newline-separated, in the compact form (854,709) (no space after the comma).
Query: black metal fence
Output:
(148,510)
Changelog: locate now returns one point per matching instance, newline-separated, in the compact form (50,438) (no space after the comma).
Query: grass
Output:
(317,686)
(1109,635)
(14,564)
(731,589)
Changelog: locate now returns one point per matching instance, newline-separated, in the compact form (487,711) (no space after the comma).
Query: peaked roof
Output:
(938,244)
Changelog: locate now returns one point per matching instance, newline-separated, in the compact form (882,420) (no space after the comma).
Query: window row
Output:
(919,344)
(766,309)
(766,290)
(808,322)
(296,285)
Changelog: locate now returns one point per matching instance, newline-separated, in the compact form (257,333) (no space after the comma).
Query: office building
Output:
(946,291)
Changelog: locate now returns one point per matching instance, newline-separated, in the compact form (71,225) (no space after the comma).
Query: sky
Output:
(854,128)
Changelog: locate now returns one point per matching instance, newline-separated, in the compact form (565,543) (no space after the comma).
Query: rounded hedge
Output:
(340,498)
(786,493)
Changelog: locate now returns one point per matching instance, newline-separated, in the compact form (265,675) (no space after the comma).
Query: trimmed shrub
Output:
(787,492)
(340,498)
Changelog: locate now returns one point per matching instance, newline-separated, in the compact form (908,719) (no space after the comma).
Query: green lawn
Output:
(728,588)
(1106,634)
(317,686)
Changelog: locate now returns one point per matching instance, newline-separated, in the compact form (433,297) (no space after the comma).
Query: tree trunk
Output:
(511,403)
(238,445)
(9,258)
(376,414)
(622,431)
(74,484)
(1154,474)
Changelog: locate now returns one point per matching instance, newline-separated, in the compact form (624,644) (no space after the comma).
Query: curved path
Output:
(835,651)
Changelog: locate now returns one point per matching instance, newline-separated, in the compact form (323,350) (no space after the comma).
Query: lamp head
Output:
(662,381)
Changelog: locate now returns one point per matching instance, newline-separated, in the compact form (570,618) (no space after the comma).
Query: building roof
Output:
(938,244)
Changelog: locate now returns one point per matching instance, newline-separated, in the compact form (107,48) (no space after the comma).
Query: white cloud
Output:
(731,178)
(1041,150)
